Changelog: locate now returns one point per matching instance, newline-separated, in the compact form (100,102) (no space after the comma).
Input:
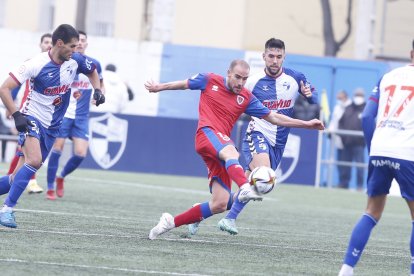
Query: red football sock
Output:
(190,216)
(236,173)
(13,164)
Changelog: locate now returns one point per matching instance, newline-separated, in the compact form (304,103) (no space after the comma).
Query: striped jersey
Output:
(50,84)
(278,94)
(81,93)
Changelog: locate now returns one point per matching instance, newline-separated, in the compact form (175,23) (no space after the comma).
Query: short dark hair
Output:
(110,67)
(275,43)
(82,33)
(64,32)
(44,36)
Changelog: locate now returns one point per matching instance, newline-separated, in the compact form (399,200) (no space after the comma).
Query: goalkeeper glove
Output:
(21,122)
(99,97)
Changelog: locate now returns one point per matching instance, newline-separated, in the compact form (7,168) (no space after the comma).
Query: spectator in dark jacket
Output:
(353,145)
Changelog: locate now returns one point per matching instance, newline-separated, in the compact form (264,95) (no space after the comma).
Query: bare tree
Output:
(332,46)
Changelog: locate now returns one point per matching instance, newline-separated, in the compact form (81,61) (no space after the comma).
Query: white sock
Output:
(6,209)
(346,270)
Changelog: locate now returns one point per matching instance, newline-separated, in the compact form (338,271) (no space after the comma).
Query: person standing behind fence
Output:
(388,125)
(342,101)
(354,145)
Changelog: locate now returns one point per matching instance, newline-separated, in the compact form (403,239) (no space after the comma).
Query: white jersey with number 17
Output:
(394,133)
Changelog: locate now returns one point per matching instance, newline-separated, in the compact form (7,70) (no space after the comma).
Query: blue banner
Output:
(166,146)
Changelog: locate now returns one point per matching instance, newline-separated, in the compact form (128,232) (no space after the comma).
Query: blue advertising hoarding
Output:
(166,146)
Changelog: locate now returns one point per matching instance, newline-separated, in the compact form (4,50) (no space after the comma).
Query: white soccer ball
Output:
(263,179)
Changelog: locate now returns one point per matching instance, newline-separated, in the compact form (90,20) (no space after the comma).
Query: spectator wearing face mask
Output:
(342,101)
(353,145)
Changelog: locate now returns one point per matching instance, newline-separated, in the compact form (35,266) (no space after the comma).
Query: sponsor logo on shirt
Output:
(55,90)
(214,88)
(80,84)
(275,104)
(57,101)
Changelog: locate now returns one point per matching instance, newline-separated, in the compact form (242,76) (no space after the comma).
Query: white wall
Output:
(136,62)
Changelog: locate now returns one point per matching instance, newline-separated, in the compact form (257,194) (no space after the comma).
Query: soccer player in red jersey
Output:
(222,101)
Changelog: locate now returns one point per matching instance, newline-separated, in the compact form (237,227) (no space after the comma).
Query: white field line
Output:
(226,243)
(98,267)
(148,186)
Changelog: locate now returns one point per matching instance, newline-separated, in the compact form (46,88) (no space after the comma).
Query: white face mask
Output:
(358,100)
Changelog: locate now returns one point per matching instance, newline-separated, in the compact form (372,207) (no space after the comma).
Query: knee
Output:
(34,162)
(218,207)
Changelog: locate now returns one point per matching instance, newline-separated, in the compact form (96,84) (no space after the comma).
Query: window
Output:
(46,15)
(100,17)
(2,12)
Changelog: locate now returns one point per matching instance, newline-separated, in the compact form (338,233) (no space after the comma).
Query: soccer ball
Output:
(263,179)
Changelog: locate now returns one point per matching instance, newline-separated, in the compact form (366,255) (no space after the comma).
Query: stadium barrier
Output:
(166,146)
(328,161)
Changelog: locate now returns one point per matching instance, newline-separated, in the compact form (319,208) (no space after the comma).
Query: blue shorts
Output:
(255,143)
(78,128)
(45,136)
(382,171)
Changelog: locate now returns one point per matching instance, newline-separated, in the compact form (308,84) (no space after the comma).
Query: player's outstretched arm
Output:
(282,120)
(154,87)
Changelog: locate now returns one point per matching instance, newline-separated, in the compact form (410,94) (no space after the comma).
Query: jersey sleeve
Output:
(198,82)
(85,64)
(98,68)
(369,114)
(314,98)
(256,108)
(24,71)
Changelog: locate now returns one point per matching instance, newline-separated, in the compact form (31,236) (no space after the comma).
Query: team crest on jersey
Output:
(240,99)
(290,158)
(286,85)
(108,137)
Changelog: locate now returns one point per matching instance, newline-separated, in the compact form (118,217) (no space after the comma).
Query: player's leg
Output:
(7,180)
(79,133)
(80,150)
(53,166)
(411,206)
(346,170)
(404,177)
(14,161)
(378,185)
(257,152)
(33,160)
(197,213)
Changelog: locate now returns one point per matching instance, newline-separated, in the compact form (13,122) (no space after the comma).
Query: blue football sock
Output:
(359,239)
(20,182)
(4,184)
(236,208)
(52,168)
(205,210)
(412,249)
(230,202)
(71,165)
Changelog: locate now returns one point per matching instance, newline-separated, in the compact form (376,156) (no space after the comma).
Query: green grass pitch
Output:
(100,227)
